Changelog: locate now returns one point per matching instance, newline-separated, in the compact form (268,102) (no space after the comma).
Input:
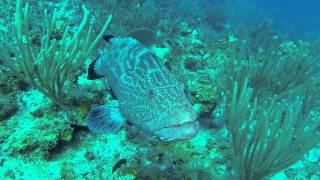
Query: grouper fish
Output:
(150,98)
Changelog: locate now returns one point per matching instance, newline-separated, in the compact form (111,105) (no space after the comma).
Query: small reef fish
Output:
(119,164)
(149,96)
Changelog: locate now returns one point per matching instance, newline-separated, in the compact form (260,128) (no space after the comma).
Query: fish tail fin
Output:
(105,119)
(92,72)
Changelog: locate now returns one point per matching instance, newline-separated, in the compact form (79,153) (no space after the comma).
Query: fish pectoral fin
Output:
(105,119)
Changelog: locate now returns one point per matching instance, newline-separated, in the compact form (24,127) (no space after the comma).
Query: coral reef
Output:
(212,54)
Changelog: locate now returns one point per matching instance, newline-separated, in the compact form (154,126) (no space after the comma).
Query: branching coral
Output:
(267,137)
(148,17)
(272,106)
(47,68)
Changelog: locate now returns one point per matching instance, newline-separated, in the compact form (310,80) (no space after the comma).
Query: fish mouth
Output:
(178,132)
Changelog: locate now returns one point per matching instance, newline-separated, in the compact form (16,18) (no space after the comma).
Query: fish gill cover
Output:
(250,67)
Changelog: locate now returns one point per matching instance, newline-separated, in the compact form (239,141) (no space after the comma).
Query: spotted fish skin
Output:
(149,96)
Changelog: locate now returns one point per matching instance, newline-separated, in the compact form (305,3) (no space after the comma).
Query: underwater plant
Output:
(122,25)
(272,109)
(4,100)
(214,14)
(48,67)
(270,136)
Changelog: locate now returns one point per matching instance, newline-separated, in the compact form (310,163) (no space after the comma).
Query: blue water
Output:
(294,18)
(299,19)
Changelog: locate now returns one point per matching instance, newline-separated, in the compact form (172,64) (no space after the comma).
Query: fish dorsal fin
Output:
(145,36)
(105,119)
(108,37)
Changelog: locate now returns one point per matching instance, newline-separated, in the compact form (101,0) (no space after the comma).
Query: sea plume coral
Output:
(272,107)
(48,67)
